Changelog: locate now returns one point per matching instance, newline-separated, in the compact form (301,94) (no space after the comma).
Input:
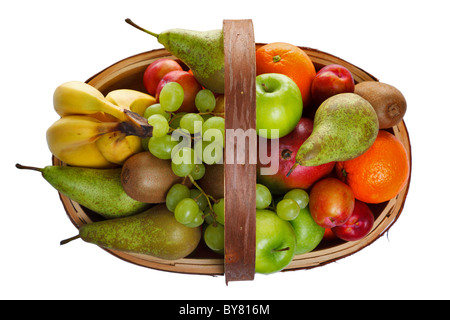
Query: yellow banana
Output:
(76,97)
(133,100)
(72,140)
(117,147)
(104,117)
(87,155)
(79,98)
(97,131)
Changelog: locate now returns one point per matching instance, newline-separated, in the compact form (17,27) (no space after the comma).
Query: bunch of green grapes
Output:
(189,140)
(193,208)
(288,207)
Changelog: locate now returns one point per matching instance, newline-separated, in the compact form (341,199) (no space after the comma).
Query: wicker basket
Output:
(128,73)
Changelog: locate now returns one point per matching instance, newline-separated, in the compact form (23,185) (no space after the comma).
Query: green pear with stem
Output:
(99,190)
(154,232)
(345,126)
(201,51)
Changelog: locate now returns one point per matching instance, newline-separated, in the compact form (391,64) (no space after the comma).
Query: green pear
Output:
(201,51)
(345,126)
(154,232)
(99,190)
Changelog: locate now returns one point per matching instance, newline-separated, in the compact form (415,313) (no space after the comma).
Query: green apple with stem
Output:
(275,242)
(279,105)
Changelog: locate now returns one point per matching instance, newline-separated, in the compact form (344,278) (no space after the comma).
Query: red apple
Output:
(331,202)
(190,86)
(156,71)
(329,81)
(358,225)
(302,177)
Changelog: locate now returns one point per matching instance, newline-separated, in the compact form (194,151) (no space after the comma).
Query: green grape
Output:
(175,120)
(288,209)
(198,148)
(263,196)
(171,96)
(214,237)
(160,125)
(205,101)
(156,109)
(212,152)
(186,211)
(199,171)
(175,194)
(183,161)
(197,222)
(182,137)
(299,195)
(219,210)
(192,122)
(200,198)
(182,170)
(161,147)
(217,123)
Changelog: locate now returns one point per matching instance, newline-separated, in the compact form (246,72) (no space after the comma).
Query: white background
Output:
(45,43)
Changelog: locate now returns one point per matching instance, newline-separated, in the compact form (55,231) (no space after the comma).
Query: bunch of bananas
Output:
(97,131)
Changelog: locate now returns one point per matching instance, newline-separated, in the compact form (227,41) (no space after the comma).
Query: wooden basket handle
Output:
(240,176)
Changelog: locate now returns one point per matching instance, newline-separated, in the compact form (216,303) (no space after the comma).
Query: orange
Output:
(290,60)
(380,173)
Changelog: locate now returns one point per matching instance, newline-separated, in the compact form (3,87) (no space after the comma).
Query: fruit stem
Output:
(276,58)
(70,239)
(19,166)
(220,114)
(207,196)
(292,169)
(128,20)
(283,249)
(136,125)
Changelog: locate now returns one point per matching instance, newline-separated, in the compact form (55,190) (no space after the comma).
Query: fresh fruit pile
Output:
(151,163)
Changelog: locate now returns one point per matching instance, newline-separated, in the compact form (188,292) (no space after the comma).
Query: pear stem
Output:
(70,239)
(19,166)
(128,20)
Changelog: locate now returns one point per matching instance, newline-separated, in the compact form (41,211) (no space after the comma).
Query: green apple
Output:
(275,242)
(307,232)
(279,104)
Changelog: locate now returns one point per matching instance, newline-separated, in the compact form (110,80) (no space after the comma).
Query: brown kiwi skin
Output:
(147,179)
(213,181)
(388,102)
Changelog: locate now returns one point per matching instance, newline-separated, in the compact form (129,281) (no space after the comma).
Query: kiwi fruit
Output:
(388,102)
(147,178)
(213,181)
(220,104)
